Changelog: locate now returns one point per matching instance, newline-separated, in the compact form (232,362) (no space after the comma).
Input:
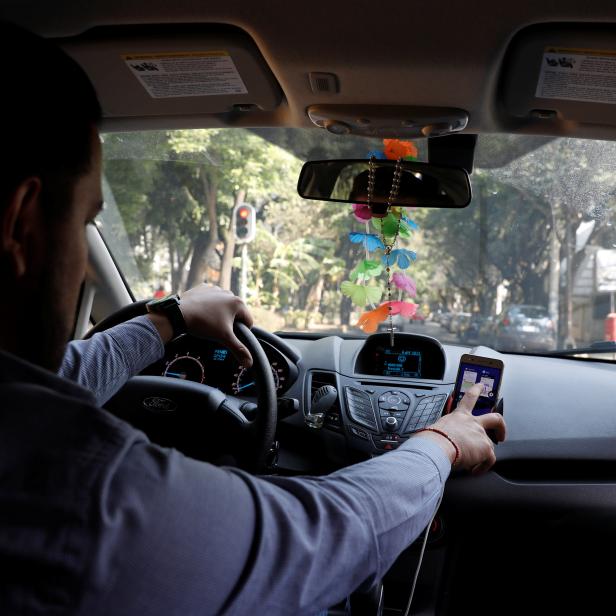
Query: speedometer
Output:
(244,380)
(185,367)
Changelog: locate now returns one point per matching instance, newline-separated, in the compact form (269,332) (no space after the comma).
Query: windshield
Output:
(529,265)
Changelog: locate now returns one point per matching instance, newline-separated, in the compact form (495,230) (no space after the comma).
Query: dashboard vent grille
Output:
(333,419)
(381,384)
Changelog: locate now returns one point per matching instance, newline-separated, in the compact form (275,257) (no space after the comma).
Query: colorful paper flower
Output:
(362,212)
(404,283)
(376,154)
(395,149)
(365,270)
(370,241)
(388,225)
(360,294)
(411,223)
(401,256)
(405,309)
(369,321)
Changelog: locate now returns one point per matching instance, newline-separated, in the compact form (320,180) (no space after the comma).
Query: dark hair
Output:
(48,108)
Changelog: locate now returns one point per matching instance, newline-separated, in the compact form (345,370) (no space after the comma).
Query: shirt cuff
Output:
(160,345)
(431,450)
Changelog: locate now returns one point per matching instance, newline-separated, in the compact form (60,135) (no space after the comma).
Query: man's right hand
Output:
(468,432)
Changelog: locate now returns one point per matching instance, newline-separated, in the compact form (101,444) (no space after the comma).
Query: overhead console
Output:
(555,74)
(411,357)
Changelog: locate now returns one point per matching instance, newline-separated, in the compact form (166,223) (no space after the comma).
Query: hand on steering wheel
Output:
(201,412)
(210,312)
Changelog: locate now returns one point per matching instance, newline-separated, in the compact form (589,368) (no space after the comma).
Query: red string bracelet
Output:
(447,437)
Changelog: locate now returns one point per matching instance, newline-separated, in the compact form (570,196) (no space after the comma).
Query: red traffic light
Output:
(244,222)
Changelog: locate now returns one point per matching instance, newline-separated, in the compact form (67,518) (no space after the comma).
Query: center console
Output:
(393,392)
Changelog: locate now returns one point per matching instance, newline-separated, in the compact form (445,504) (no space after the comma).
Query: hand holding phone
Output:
(484,370)
(469,433)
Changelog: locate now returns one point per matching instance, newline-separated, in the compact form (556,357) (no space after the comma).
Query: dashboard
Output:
(556,409)
(391,391)
(555,475)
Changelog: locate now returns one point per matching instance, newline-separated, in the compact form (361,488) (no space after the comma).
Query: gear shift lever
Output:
(322,400)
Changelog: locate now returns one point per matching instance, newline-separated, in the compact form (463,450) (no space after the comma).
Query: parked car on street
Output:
(525,328)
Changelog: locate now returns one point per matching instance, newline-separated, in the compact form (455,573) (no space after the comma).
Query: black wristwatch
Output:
(170,307)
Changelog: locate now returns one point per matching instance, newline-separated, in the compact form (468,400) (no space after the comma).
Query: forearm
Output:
(106,361)
(343,530)
(233,543)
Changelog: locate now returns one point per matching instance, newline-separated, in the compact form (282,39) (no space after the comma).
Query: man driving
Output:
(95,518)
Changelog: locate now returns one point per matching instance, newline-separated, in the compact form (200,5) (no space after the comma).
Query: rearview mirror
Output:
(421,184)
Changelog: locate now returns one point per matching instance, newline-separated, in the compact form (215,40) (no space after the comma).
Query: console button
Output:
(394,403)
(387,442)
(390,424)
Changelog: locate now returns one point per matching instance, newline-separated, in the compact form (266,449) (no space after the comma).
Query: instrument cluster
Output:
(210,363)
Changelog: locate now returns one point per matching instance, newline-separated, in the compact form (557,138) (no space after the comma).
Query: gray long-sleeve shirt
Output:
(103,363)
(114,524)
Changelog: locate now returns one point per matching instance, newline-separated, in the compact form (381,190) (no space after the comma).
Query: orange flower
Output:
(395,149)
(368,321)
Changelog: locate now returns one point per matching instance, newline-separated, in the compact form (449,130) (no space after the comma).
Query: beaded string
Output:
(393,193)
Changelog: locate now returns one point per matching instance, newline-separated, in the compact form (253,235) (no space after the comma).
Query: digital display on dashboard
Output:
(400,362)
(412,356)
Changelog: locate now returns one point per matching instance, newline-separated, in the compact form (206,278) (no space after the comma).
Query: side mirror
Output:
(421,184)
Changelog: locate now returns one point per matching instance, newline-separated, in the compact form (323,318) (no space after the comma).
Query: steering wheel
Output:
(199,420)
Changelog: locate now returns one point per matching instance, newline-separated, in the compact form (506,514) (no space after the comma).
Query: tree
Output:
(576,179)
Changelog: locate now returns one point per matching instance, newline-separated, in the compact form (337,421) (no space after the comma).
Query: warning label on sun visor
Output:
(578,75)
(195,73)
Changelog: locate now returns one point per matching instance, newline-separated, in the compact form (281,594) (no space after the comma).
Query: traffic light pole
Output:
(244,273)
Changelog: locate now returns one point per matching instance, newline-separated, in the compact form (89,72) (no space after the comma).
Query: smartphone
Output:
(475,369)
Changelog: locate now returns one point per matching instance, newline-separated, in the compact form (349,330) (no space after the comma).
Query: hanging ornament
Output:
(396,149)
(362,212)
(361,294)
(382,256)
(404,283)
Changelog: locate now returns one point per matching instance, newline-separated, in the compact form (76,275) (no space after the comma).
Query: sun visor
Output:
(558,73)
(147,72)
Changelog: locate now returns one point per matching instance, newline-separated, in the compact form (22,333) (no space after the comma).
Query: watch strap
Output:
(170,307)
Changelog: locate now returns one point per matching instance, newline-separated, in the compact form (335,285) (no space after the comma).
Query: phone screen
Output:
(488,376)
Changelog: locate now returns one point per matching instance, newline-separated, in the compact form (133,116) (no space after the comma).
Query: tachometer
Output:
(244,381)
(185,367)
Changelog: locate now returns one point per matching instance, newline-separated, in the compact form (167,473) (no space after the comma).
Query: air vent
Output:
(333,420)
(323,83)
(382,384)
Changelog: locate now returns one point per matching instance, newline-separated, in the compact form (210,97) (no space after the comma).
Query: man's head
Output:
(49,190)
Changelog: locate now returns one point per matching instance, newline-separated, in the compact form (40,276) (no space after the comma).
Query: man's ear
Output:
(19,224)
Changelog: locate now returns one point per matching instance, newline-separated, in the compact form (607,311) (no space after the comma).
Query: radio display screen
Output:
(396,361)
